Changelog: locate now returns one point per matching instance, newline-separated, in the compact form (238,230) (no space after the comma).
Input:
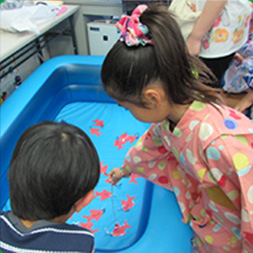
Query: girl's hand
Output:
(115,175)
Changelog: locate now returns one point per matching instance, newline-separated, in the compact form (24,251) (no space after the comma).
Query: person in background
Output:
(196,147)
(53,171)
(238,78)
(129,5)
(220,31)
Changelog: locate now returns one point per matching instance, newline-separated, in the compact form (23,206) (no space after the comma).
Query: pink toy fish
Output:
(125,137)
(108,180)
(118,143)
(133,178)
(95,131)
(103,194)
(95,215)
(103,168)
(120,230)
(127,205)
(99,123)
(88,225)
(122,139)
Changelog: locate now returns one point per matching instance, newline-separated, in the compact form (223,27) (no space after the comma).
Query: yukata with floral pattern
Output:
(207,161)
(229,32)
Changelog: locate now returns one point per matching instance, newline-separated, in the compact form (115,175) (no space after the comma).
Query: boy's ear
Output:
(84,201)
(152,98)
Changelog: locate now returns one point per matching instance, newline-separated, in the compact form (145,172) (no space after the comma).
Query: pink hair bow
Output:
(133,32)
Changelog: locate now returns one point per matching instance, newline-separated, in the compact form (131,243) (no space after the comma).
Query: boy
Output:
(53,171)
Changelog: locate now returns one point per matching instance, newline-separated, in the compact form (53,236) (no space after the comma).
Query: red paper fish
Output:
(103,194)
(95,215)
(122,139)
(95,131)
(88,225)
(108,181)
(103,168)
(125,137)
(120,230)
(99,123)
(133,178)
(118,143)
(127,205)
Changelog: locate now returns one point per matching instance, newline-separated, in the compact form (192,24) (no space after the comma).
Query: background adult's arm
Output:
(207,18)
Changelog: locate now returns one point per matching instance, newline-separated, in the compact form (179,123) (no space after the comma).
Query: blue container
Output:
(69,88)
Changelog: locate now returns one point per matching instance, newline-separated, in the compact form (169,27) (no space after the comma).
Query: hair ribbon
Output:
(133,32)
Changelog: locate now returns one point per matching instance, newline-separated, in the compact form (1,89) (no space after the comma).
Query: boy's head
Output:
(52,167)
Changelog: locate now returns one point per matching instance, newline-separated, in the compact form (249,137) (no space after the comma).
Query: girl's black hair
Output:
(53,165)
(126,71)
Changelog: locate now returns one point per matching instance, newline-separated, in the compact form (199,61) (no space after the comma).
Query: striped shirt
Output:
(43,237)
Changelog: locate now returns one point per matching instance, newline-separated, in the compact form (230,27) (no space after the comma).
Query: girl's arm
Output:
(209,14)
(139,156)
(150,159)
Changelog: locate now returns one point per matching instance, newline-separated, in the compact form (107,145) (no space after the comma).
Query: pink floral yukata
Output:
(207,161)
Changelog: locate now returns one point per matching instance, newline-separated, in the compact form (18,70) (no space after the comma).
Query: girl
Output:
(195,147)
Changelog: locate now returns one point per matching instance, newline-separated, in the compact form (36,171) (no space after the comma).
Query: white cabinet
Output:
(90,11)
(102,34)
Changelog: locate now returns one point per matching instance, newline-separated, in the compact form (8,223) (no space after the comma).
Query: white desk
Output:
(13,42)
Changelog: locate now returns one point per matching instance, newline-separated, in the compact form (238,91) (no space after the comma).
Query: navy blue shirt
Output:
(43,236)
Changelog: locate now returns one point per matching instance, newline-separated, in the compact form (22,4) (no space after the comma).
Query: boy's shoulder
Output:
(43,235)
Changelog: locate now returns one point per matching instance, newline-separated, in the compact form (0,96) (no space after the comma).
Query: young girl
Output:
(199,149)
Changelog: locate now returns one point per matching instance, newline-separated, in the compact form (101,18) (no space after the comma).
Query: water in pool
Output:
(113,131)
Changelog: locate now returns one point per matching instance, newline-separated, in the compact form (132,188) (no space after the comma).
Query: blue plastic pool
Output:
(69,88)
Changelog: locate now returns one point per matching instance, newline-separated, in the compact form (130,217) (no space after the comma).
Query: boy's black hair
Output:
(53,165)
(127,70)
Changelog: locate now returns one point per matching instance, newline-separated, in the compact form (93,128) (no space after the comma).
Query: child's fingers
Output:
(114,180)
(111,173)
(111,176)
(114,176)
